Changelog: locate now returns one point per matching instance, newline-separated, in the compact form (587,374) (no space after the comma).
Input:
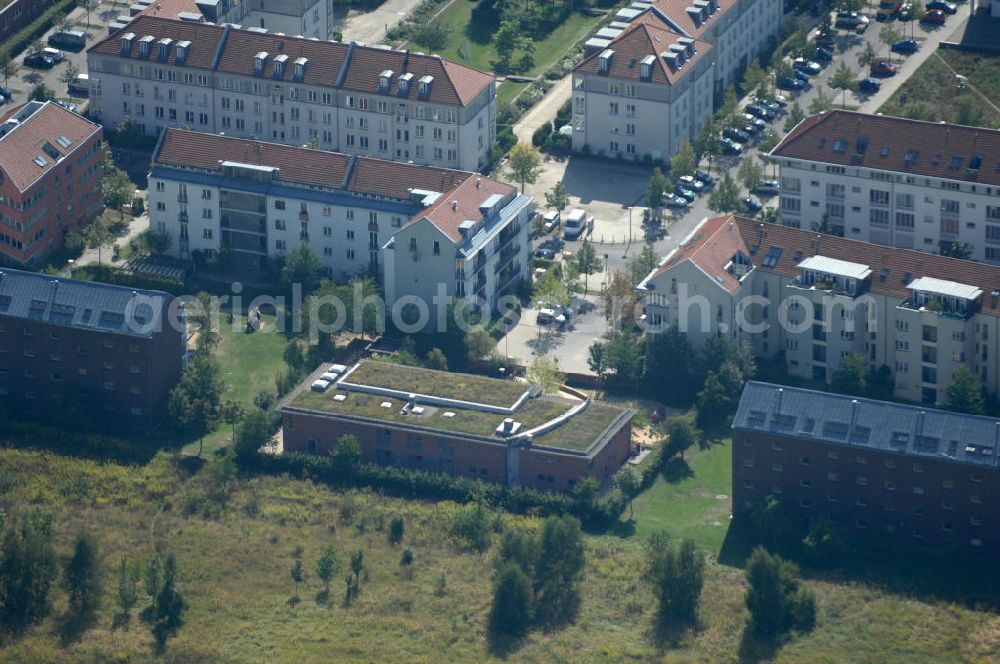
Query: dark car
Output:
(869,85)
(935,16)
(906,46)
(735,134)
(675,202)
(790,83)
(946,7)
(39,61)
(6,93)
(690,182)
(752,204)
(759,112)
(686,194)
(772,106)
(824,40)
(729,146)
(546,253)
(754,125)
(807,66)
(704,178)
(823,54)
(801,75)
(767,188)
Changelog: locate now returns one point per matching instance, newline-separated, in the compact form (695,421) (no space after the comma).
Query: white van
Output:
(578,223)
(79,86)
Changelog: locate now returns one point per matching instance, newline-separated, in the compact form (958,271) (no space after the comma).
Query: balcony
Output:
(303,216)
(182,217)
(182,198)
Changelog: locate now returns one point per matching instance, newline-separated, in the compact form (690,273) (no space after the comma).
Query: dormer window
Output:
(646,67)
(299,71)
(671,59)
(279,65)
(145,46)
(425,86)
(181,52)
(403,88)
(385,80)
(163,51)
(259,62)
(127,41)
(604,61)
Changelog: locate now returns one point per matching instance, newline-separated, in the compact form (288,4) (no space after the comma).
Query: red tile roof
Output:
(40,131)
(462,204)
(883,142)
(390,178)
(645,36)
(675,13)
(711,247)
(453,84)
(889,265)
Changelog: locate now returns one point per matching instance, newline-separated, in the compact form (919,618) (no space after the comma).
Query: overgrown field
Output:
(235,541)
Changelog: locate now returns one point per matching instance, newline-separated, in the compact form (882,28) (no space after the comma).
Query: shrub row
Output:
(34,30)
(27,435)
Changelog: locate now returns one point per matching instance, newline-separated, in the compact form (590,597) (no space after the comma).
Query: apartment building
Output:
(422,227)
(644,94)
(87,349)
(493,430)
(354,99)
(924,477)
(811,299)
(51,163)
(894,181)
(307,18)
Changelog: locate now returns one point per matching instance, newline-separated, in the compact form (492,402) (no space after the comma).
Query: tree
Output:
(479,343)
(795,116)
(843,80)
(116,186)
(643,263)
(628,483)
(682,432)
(550,291)
(98,234)
(669,353)
(433,35)
(775,599)
(231,412)
(622,360)
(154,570)
(512,609)
(8,68)
(866,57)
(397,527)
(69,74)
(168,608)
(327,565)
(750,173)
(347,453)
(706,143)
(302,266)
(127,595)
(357,565)
(27,570)
(679,574)
(684,162)
(544,371)
(726,197)
(587,261)
(753,77)
(965,394)
(525,164)
(255,430)
(658,187)
(298,574)
(851,376)
(729,113)
(889,35)
(82,578)
(42,92)
(956,249)
(195,401)
(560,564)
(557,198)
(437,360)
(822,102)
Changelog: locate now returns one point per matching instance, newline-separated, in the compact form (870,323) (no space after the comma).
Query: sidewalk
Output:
(545,110)
(135,226)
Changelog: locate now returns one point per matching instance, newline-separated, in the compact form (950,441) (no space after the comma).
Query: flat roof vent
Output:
(417,410)
(448,414)
(508,428)
(340,397)
(385,404)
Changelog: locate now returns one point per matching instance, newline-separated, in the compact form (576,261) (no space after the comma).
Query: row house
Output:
(811,299)
(894,181)
(394,105)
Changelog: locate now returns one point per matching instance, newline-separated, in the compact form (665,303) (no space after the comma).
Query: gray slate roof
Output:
(81,304)
(869,424)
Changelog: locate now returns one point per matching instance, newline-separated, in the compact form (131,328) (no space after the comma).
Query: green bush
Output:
(541,135)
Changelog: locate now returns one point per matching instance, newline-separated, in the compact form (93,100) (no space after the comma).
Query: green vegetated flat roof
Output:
(447,385)
(577,434)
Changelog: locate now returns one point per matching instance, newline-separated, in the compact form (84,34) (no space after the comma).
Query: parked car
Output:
(752,204)
(823,54)
(73,40)
(869,85)
(80,86)
(905,11)
(546,253)
(738,135)
(675,202)
(550,220)
(54,53)
(801,75)
(686,194)
(768,188)
(851,21)
(772,105)
(690,182)
(704,178)
(905,46)
(729,146)
(824,40)
(807,66)
(759,112)
(790,83)
(756,125)
(39,61)
(934,17)
(6,93)
(883,68)
(946,7)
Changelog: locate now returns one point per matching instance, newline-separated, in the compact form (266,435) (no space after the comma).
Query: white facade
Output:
(813,319)
(292,108)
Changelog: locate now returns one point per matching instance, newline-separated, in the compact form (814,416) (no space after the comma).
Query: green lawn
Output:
(690,499)
(479,29)
(508,90)
(932,94)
